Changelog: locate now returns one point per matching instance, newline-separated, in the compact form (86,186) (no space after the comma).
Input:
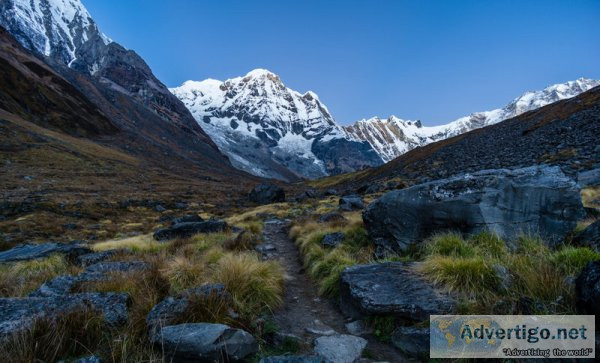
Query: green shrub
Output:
(571,260)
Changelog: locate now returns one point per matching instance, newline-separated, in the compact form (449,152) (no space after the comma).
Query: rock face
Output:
(188,229)
(32,251)
(205,342)
(266,194)
(587,289)
(391,288)
(539,199)
(589,237)
(340,348)
(351,202)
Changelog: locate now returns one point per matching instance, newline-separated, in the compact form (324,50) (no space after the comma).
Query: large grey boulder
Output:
(393,288)
(17,314)
(340,348)
(589,237)
(266,194)
(539,200)
(34,251)
(173,308)
(351,202)
(188,229)
(204,342)
(587,289)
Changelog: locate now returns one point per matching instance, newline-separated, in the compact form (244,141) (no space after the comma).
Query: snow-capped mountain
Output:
(271,130)
(393,136)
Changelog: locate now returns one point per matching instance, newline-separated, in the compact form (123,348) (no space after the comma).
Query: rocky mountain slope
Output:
(271,130)
(564,133)
(393,136)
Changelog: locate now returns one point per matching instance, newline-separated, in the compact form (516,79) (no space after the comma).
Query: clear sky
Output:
(428,60)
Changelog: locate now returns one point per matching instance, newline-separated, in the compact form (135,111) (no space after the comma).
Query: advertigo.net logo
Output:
(514,336)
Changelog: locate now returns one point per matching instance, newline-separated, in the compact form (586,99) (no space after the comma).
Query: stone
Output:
(188,229)
(205,342)
(70,226)
(393,288)
(266,194)
(412,341)
(504,277)
(589,177)
(60,285)
(587,289)
(295,359)
(159,208)
(369,189)
(34,251)
(330,192)
(265,248)
(332,240)
(351,202)
(331,217)
(589,237)
(88,359)
(539,200)
(306,194)
(357,327)
(18,313)
(187,218)
(95,257)
(172,308)
(317,327)
(102,270)
(340,348)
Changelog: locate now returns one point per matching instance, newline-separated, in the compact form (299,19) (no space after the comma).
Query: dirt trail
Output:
(306,314)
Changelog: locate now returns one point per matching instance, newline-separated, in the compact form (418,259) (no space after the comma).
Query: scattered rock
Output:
(187,218)
(589,237)
(306,194)
(188,229)
(587,289)
(391,288)
(205,342)
(18,313)
(412,341)
(358,327)
(340,348)
(332,240)
(351,202)
(102,270)
(369,189)
(172,308)
(34,251)
(159,208)
(266,194)
(95,257)
(539,199)
(60,285)
(294,359)
(331,217)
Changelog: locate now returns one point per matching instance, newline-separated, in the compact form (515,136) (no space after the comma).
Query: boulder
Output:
(589,237)
(412,341)
(393,288)
(351,202)
(34,251)
(587,289)
(332,240)
(95,257)
(188,229)
(340,348)
(186,218)
(368,189)
(330,192)
(205,342)
(306,194)
(539,200)
(589,177)
(60,285)
(18,313)
(358,327)
(173,308)
(266,194)
(295,359)
(102,270)
(331,217)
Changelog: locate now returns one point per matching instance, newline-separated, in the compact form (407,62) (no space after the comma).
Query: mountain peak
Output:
(260,72)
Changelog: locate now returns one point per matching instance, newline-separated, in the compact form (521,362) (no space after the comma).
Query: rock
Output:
(539,199)
(391,288)
(369,189)
(88,359)
(589,237)
(69,226)
(34,251)
(306,194)
(504,277)
(592,213)
(294,359)
(340,348)
(587,289)
(60,285)
(280,338)
(331,217)
(159,208)
(18,313)
(172,308)
(266,194)
(188,229)
(317,327)
(357,327)
(330,192)
(187,218)
(412,341)
(351,202)
(265,248)
(205,342)
(95,257)
(589,177)
(332,240)
(102,270)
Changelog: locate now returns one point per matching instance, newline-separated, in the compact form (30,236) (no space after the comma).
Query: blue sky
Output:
(428,60)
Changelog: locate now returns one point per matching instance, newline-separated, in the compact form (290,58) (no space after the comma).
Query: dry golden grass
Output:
(140,243)
(591,197)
